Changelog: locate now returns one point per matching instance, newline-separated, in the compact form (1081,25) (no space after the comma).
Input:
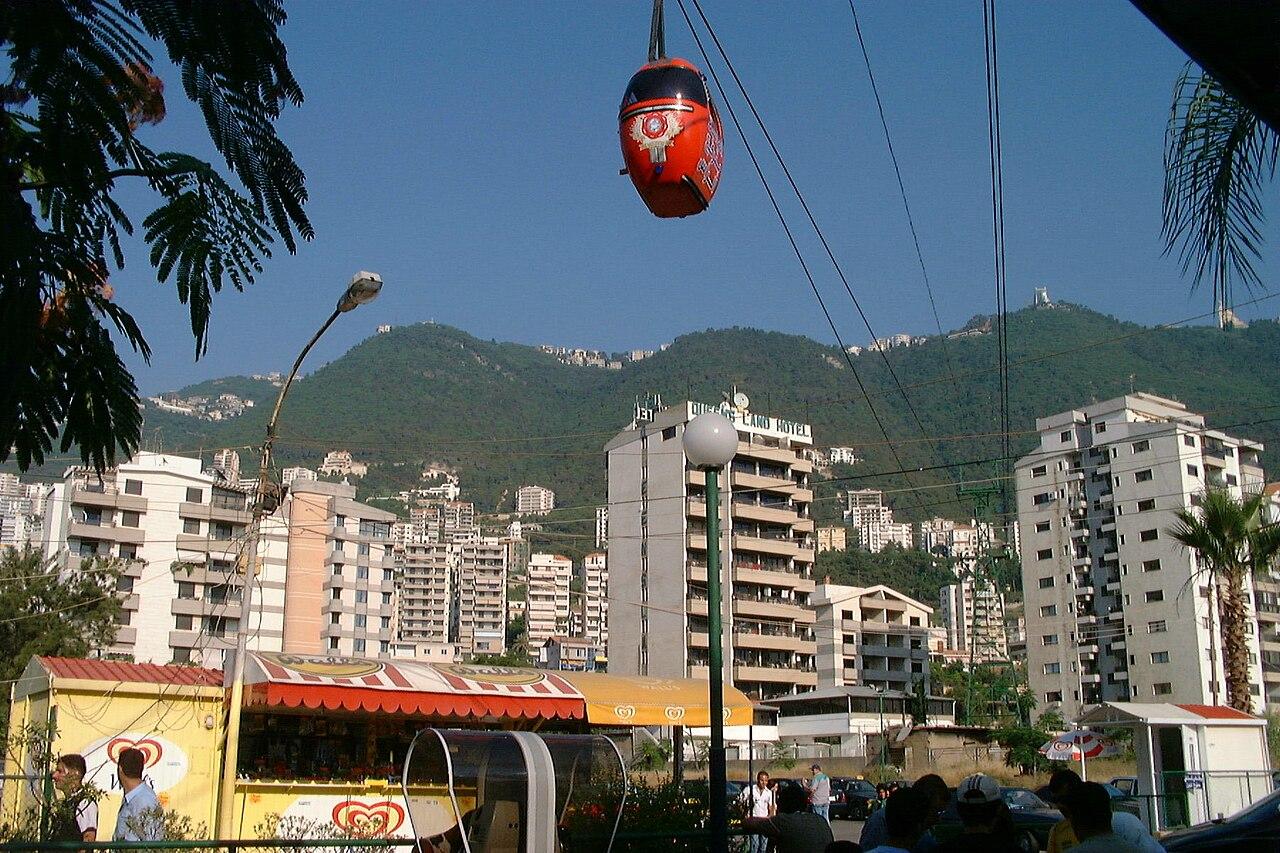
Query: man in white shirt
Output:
(77,819)
(759,800)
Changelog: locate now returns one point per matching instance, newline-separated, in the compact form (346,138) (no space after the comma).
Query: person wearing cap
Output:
(1128,827)
(985,818)
(819,788)
(1088,807)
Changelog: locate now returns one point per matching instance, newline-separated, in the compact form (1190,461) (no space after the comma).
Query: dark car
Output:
(1033,819)
(1256,828)
(852,799)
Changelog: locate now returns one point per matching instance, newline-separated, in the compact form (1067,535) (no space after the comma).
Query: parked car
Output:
(1127,784)
(853,799)
(1033,819)
(1255,828)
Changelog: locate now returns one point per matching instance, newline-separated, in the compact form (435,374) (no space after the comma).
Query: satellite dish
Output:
(740,400)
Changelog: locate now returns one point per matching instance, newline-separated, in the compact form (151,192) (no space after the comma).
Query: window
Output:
(194,495)
(386,598)
(362,573)
(339,521)
(133,487)
(337,570)
(388,575)
(1149,535)
(362,596)
(1151,565)
(1049,610)
(384,647)
(338,545)
(1141,446)
(1156,627)
(1143,476)
(1053,696)
(1043,526)
(1162,688)
(1231,480)
(1159,657)
(1046,582)
(335,618)
(1042,498)
(1189,440)
(1049,640)
(362,621)
(1066,436)
(190,525)
(1193,470)
(128,552)
(362,549)
(1147,505)
(129,518)
(221,532)
(333,644)
(186,589)
(1039,471)
(1044,554)
(182,622)
(336,594)
(124,617)
(386,623)
(1154,595)
(358,647)
(1052,668)
(182,655)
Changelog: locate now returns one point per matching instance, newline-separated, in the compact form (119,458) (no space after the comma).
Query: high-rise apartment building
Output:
(325,580)
(454,591)
(872,519)
(972,612)
(288,475)
(426,593)
(1115,608)
(871,636)
(1266,604)
(547,597)
(602,527)
(227,463)
(658,552)
(22,507)
(590,612)
(832,538)
(535,500)
(482,596)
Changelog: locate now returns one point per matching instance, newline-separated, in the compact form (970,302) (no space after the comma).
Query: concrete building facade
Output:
(871,636)
(1114,607)
(535,500)
(972,613)
(547,597)
(658,552)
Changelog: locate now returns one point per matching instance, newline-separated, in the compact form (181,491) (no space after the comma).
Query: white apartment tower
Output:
(482,596)
(871,636)
(871,517)
(973,616)
(535,500)
(1112,611)
(658,552)
(591,610)
(547,597)
(227,462)
(454,591)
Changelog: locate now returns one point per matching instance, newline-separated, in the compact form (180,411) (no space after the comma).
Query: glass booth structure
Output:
(513,792)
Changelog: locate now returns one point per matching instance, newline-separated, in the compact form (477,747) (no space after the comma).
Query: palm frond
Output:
(1218,158)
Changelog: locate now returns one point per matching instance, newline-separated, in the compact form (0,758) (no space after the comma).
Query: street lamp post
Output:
(883,740)
(364,288)
(710,442)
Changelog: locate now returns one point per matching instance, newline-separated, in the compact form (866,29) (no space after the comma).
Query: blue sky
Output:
(468,152)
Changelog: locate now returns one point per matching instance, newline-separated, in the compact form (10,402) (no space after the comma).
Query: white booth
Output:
(1195,762)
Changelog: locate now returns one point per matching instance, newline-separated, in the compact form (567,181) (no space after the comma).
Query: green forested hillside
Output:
(507,414)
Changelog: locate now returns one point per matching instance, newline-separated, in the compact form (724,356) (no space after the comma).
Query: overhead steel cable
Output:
(813,222)
(902,189)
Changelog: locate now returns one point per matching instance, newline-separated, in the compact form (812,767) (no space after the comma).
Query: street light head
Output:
(364,288)
(710,440)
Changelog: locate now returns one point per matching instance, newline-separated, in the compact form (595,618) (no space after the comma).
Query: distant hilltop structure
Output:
(579,357)
(339,463)
(384,328)
(205,408)
(1041,298)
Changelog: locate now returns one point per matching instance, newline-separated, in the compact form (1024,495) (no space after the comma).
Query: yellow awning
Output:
(634,700)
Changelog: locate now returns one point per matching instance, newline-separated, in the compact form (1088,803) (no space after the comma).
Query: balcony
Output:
(105,530)
(776,608)
(761,545)
(105,496)
(783,455)
(761,512)
(743,480)
(794,578)
(787,674)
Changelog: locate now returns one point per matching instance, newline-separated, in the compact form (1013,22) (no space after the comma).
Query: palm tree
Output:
(1232,542)
(1218,157)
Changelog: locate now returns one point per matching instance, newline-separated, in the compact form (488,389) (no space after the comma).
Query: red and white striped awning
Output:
(409,687)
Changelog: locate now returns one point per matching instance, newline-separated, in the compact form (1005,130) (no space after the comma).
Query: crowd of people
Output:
(795,819)
(76,818)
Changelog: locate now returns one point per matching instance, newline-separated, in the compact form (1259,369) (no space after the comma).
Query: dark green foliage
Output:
(79,87)
(430,392)
(911,572)
(1023,744)
(42,613)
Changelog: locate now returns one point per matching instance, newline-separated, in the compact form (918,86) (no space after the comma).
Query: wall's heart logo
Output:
(150,748)
(624,712)
(674,713)
(368,819)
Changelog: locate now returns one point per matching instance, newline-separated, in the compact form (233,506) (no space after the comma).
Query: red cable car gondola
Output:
(672,139)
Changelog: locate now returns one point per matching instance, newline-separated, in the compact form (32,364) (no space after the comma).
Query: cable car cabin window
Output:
(665,83)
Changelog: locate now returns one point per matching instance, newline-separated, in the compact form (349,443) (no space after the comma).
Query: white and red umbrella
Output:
(1074,745)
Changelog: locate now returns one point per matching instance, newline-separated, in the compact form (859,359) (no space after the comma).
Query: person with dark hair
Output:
(819,789)
(876,833)
(758,799)
(905,815)
(1125,826)
(1060,783)
(1088,806)
(140,813)
(794,829)
(76,817)
(844,847)
(985,818)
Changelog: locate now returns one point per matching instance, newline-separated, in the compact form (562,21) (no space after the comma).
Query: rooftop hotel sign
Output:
(751,422)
